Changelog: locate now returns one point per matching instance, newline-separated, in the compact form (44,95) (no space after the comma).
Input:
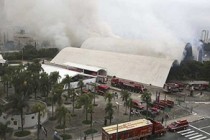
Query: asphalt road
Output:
(199,130)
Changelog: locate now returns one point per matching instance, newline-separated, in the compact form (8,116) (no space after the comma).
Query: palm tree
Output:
(5,79)
(80,85)
(54,77)
(125,95)
(109,97)
(63,115)
(56,96)
(146,97)
(4,129)
(35,67)
(85,101)
(17,103)
(35,80)
(130,105)
(109,111)
(91,111)
(40,109)
(44,84)
(94,93)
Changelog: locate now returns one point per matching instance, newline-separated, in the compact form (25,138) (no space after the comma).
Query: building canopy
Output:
(143,69)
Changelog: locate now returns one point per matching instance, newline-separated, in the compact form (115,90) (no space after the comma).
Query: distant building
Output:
(188,55)
(22,39)
(200,55)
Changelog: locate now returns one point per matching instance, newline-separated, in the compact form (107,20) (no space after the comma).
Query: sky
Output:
(71,22)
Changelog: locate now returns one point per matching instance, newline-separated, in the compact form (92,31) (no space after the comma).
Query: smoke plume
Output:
(65,22)
(168,23)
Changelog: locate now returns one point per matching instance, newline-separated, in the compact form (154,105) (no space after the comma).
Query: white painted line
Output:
(187,132)
(204,127)
(191,134)
(200,130)
(184,131)
(195,136)
(201,138)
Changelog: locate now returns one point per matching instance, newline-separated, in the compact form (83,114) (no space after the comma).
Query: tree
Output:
(146,97)
(40,109)
(54,76)
(35,81)
(5,79)
(91,110)
(63,115)
(109,111)
(81,85)
(56,96)
(67,85)
(17,103)
(108,96)
(85,101)
(125,95)
(4,129)
(130,105)
(44,84)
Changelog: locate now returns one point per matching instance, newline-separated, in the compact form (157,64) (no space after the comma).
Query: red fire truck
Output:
(173,87)
(127,84)
(137,129)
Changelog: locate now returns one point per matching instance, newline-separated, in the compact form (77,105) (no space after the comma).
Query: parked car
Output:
(137,105)
(178,125)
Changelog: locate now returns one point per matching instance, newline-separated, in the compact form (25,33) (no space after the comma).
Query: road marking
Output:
(187,132)
(191,134)
(204,127)
(184,131)
(201,138)
(195,136)
(200,130)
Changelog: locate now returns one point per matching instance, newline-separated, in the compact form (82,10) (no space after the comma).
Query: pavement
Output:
(181,111)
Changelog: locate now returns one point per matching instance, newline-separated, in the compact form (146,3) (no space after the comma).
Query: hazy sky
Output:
(71,22)
(157,19)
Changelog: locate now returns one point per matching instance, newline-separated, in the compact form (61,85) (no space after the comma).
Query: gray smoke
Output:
(65,22)
(173,22)
(168,23)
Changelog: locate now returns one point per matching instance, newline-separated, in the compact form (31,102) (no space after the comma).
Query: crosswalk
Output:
(192,134)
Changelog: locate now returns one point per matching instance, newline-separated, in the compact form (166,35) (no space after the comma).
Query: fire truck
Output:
(100,89)
(173,87)
(127,84)
(137,129)
(198,85)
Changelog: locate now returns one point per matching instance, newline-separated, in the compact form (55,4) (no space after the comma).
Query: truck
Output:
(127,85)
(198,85)
(173,87)
(137,129)
(100,89)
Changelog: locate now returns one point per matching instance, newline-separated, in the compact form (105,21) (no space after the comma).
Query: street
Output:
(199,130)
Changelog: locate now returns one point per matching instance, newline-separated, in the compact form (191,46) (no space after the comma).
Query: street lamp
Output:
(118,106)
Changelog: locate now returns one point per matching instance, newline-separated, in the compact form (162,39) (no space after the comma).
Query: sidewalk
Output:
(191,118)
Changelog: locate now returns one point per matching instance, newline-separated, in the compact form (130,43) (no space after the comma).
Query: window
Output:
(15,122)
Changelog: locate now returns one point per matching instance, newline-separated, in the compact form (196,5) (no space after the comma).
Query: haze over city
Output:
(161,25)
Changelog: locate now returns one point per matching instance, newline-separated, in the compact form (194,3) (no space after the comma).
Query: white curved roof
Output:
(143,69)
(62,72)
(85,67)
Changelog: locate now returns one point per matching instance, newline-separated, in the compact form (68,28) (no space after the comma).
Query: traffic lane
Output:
(169,136)
(202,109)
(203,125)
